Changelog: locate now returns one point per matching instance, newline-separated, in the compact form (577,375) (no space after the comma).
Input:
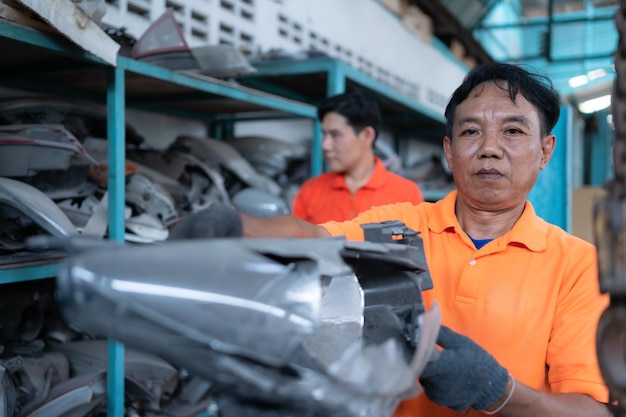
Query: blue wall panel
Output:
(552,195)
(601,150)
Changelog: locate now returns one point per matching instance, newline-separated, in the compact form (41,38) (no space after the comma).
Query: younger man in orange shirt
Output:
(357,179)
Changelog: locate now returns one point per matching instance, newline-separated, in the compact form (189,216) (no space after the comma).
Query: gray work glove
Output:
(463,375)
(217,220)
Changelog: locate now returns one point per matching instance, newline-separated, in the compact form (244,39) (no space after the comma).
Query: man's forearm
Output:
(281,226)
(526,401)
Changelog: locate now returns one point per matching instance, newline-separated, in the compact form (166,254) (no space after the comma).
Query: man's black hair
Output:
(536,88)
(359,110)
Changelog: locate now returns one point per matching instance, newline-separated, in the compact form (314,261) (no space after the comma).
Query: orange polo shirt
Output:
(531,297)
(326,197)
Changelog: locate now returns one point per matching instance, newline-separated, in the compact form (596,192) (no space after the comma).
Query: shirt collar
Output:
(530,230)
(377,180)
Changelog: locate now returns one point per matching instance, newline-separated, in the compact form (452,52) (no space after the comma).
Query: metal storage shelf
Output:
(47,63)
(70,72)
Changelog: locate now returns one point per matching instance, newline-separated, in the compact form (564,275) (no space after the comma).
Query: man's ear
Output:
(447,151)
(368,134)
(547,150)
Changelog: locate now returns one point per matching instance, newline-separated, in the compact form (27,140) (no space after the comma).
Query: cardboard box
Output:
(457,49)
(470,62)
(583,202)
(69,19)
(15,12)
(395,6)
(418,22)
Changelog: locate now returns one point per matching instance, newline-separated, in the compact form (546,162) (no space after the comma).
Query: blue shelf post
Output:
(116,183)
(336,82)
(317,159)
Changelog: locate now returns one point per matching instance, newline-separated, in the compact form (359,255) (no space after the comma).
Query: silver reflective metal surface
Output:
(281,321)
(259,203)
(199,290)
(33,205)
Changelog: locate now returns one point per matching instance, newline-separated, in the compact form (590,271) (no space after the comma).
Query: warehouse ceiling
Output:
(563,38)
(472,12)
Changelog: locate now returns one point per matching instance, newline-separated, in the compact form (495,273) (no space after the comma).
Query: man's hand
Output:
(217,220)
(463,375)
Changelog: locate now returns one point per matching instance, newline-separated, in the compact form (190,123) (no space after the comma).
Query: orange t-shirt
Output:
(326,197)
(531,297)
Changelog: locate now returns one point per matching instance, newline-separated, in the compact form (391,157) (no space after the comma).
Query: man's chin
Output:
(334,167)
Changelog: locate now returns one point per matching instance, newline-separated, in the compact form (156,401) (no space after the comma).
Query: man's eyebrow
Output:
(467,119)
(518,119)
(514,118)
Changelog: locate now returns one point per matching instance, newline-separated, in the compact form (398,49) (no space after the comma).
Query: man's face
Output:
(343,148)
(497,150)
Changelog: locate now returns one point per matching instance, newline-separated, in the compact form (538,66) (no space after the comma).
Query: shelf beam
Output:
(338,69)
(218,87)
(27,273)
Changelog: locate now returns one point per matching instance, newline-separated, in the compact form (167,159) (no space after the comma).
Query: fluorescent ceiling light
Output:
(596,73)
(578,81)
(595,104)
(581,80)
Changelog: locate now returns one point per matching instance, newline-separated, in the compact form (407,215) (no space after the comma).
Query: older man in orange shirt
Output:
(357,179)
(519,297)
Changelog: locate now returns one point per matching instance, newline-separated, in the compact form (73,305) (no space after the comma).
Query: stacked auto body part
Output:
(282,327)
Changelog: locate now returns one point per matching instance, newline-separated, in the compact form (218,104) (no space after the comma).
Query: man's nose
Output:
(491,145)
(326,142)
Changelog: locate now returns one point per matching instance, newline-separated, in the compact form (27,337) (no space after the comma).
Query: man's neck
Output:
(482,224)
(360,174)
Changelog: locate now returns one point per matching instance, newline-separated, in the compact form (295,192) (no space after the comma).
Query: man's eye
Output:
(469,132)
(513,131)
